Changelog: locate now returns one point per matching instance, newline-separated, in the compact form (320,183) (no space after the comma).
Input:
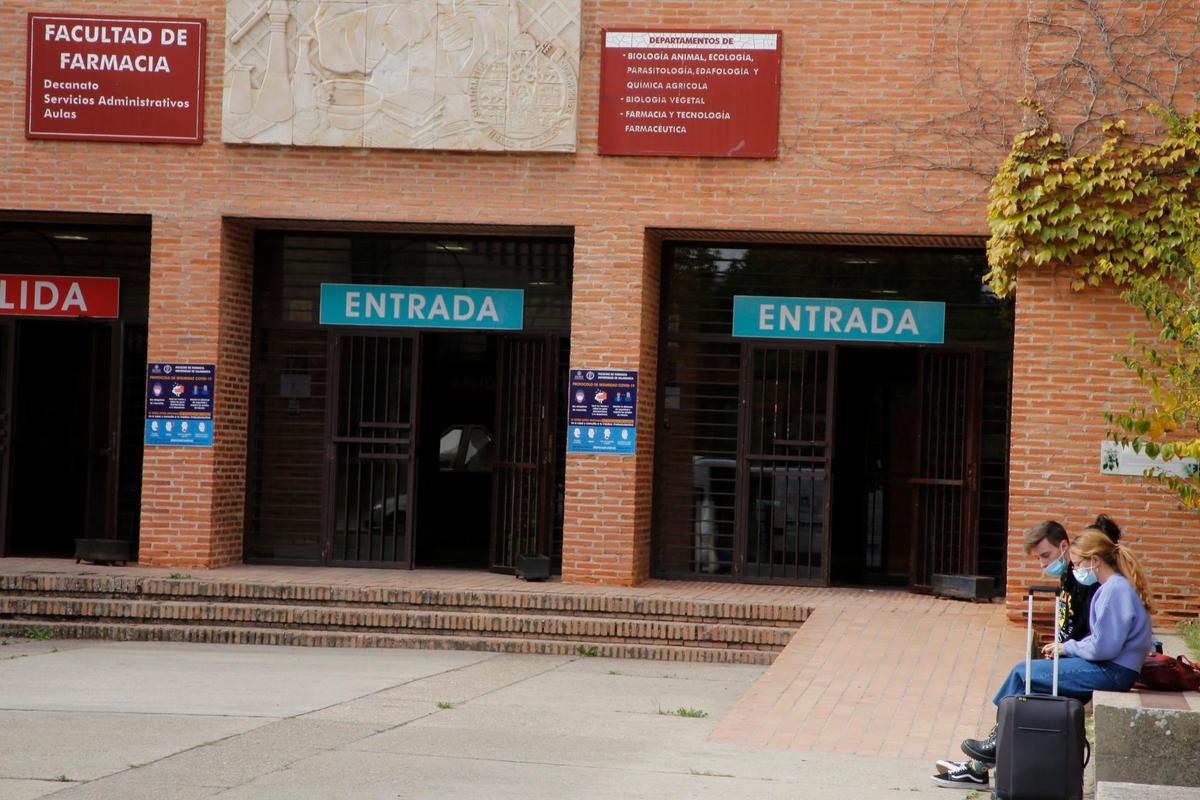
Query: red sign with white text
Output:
(120,79)
(690,93)
(59,296)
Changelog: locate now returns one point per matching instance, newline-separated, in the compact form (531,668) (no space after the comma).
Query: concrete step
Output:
(559,601)
(1108,790)
(40,609)
(134,631)
(1147,738)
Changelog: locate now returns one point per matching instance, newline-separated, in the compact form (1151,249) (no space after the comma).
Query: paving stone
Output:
(28,790)
(85,746)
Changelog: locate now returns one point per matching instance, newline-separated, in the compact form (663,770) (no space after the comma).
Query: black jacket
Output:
(1075,601)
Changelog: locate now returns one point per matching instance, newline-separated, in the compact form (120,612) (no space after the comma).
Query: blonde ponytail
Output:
(1129,566)
(1094,542)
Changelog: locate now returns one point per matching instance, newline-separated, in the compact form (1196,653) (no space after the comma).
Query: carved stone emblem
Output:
(419,74)
(526,100)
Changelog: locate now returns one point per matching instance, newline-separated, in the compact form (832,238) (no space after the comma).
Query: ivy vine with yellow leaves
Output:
(1127,213)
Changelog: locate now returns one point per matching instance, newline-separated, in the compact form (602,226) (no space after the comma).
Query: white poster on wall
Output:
(1118,459)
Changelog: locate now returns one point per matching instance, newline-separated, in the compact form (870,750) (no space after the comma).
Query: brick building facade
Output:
(892,117)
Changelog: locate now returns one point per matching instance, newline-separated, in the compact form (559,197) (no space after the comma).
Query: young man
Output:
(1049,543)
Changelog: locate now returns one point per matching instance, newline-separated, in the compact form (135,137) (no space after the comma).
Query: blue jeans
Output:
(1077,677)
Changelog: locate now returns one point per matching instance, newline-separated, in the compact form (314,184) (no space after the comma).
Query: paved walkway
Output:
(880,673)
(88,720)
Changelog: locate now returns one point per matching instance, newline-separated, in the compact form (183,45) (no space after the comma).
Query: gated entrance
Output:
(817,462)
(412,443)
(72,379)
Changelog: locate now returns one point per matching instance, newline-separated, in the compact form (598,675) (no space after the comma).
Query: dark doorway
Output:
(456,449)
(873,465)
(7,356)
(62,458)
(72,403)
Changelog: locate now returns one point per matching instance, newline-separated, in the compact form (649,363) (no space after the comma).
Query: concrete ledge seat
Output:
(1149,739)
(1109,790)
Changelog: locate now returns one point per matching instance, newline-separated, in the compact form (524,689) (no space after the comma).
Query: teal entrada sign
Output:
(822,318)
(422,307)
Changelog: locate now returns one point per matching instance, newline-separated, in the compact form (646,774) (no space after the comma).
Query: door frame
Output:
(741,491)
(328,506)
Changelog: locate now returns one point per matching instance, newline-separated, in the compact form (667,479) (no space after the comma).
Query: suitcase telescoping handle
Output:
(1029,637)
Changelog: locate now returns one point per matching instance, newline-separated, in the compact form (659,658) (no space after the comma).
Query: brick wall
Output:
(234,290)
(893,115)
(1065,376)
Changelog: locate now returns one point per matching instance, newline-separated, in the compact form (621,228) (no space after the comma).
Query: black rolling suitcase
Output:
(1041,747)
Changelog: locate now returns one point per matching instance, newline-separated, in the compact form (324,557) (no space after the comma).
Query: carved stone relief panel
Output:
(415,74)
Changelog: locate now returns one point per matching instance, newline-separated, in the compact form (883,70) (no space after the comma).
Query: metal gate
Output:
(946,485)
(523,468)
(783,471)
(370,453)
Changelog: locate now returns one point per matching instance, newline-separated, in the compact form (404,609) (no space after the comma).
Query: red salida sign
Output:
(690,93)
(59,296)
(123,79)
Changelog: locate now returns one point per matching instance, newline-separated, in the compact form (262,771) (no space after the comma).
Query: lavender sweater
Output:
(1120,627)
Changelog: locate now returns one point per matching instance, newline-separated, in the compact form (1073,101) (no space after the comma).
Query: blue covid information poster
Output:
(179,404)
(602,411)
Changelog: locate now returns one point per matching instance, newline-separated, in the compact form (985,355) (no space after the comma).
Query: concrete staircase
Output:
(135,608)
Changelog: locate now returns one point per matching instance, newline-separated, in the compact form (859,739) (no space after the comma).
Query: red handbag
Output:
(1165,674)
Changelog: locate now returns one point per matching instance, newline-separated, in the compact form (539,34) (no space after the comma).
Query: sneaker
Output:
(946,765)
(982,749)
(965,777)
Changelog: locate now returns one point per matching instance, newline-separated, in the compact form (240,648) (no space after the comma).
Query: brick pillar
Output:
(614,324)
(193,498)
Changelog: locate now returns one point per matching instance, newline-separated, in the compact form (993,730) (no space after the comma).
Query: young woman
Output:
(1107,659)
